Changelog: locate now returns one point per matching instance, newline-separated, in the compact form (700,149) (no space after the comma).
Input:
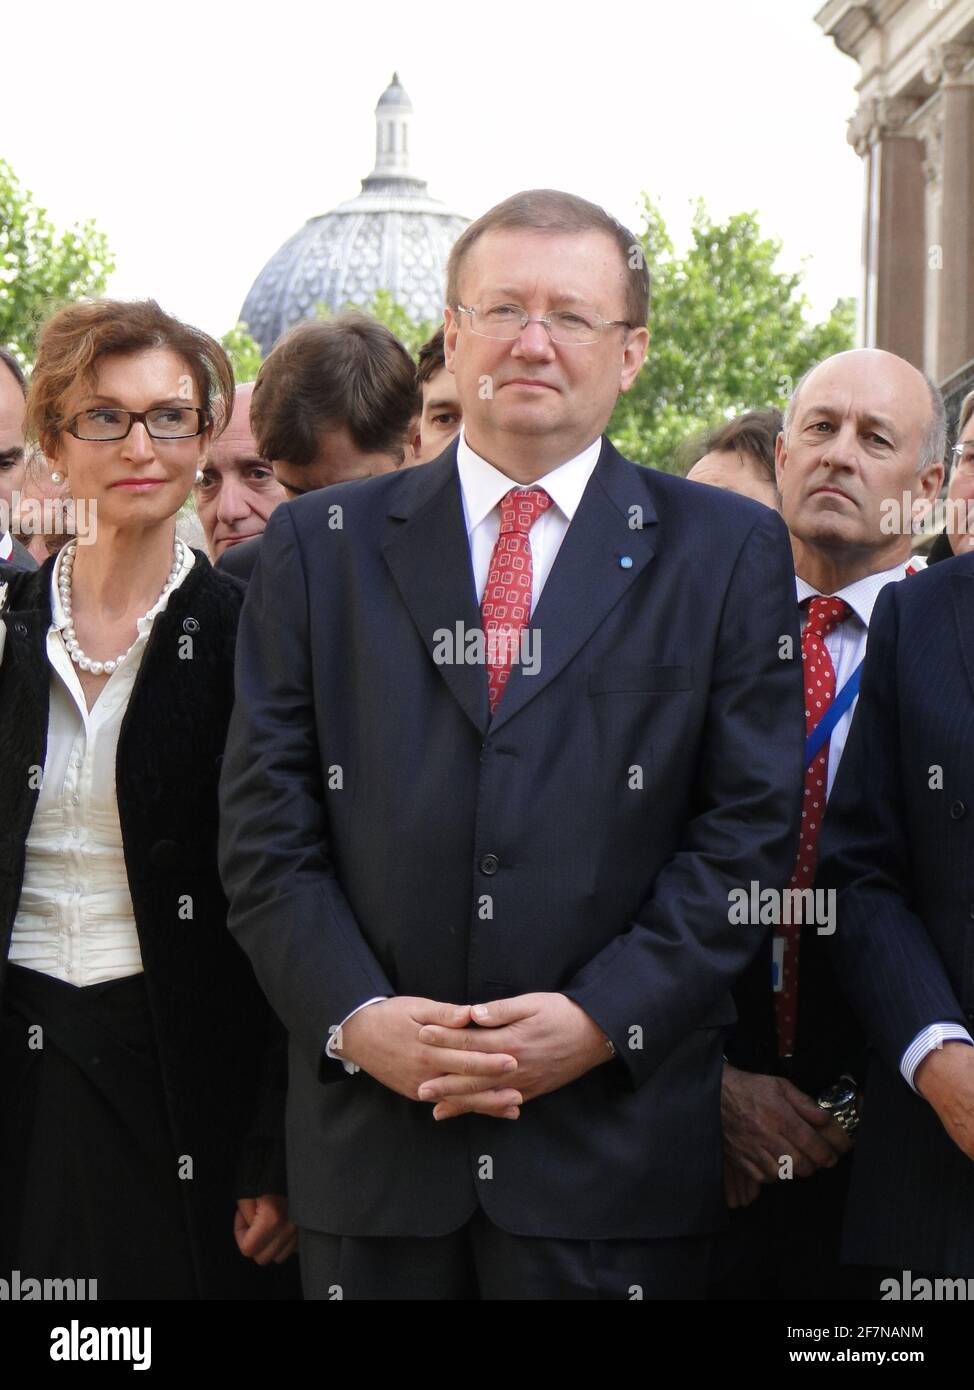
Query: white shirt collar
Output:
(861,596)
(59,618)
(6,545)
(483,485)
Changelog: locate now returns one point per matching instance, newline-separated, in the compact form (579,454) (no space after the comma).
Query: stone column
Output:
(894,242)
(946,66)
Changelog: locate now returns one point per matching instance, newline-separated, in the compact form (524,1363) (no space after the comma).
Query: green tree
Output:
(396,318)
(40,267)
(243,351)
(728,333)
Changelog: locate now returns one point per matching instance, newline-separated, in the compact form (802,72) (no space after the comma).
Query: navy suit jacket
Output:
(382,834)
(898,845)
(239,560)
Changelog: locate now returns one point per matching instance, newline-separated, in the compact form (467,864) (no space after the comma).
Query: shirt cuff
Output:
(335,1031)
(929,1040)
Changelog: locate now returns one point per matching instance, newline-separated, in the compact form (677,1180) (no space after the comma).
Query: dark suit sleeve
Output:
(677,961)
(885,958)
(286,908)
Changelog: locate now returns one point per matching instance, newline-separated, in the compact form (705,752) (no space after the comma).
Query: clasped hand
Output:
(485,1058)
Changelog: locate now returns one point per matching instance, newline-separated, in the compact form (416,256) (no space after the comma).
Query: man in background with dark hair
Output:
(331,403)
(739,456)
(13,398)
(439,414)
(957,537)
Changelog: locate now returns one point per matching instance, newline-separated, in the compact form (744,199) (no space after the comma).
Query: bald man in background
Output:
(238,490)
(862,447)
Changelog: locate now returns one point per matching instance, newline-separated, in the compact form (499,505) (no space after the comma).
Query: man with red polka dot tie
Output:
(863,436)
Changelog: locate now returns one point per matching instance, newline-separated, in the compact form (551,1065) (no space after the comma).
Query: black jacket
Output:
(898,846)
(221,1049)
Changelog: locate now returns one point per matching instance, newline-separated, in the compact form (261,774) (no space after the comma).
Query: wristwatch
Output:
(842,1103)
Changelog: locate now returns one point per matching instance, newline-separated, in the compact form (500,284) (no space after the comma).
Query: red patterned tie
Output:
(823,615)
(506,604)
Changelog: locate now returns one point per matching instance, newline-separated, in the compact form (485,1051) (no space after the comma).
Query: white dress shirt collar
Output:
(483,485)
(6,545)
(861,595)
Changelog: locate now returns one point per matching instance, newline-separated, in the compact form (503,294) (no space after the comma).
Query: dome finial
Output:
(393,113)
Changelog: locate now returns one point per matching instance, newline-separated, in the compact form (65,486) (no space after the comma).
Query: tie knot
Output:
(521,507)
(825,613)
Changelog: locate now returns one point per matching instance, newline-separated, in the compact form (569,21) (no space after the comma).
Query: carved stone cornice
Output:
(946,62)
(878,118)
(852,27)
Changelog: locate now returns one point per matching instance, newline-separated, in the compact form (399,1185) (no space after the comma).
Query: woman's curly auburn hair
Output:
(76,337)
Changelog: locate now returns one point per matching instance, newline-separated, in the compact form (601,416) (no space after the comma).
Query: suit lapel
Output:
(429,556)
(601,556)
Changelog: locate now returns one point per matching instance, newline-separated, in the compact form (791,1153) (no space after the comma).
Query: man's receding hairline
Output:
(541,232)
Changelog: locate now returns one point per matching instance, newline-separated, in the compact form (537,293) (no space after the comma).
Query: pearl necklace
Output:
(71,642)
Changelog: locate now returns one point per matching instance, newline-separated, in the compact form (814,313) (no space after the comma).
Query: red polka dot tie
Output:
(824,614)
(506,605)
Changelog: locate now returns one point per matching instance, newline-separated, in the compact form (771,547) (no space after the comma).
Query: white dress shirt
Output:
(846,645)
(75,919)
(6,545)
(482,486)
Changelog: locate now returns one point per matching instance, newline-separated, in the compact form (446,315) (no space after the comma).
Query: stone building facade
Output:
(914,131)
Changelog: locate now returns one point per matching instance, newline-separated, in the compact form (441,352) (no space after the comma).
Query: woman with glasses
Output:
(141,1086)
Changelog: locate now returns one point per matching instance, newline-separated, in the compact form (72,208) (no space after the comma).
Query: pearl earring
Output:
(56,478)
(199,475)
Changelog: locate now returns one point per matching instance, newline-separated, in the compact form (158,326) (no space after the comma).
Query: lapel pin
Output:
(625,562)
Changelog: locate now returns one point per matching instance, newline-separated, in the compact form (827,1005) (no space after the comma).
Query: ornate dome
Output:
(392,236)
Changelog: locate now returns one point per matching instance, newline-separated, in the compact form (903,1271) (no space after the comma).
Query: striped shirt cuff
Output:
(929,1040)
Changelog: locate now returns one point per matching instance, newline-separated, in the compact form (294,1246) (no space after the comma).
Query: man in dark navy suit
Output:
(864,430)
(898,847)
(510,730)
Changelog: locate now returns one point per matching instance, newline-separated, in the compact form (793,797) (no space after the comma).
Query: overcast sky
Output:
(201,136)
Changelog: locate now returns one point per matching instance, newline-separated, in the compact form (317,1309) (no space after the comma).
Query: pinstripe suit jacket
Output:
(898,845)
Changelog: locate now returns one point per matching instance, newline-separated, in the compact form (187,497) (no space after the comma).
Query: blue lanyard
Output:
(822,732)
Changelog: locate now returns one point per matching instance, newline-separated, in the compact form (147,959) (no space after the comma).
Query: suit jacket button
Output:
(957,810)
(489,864)
(164,854)
(190,625)
(20,629)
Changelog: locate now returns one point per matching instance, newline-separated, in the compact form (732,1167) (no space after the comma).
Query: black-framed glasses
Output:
(104,423)
(578,325)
